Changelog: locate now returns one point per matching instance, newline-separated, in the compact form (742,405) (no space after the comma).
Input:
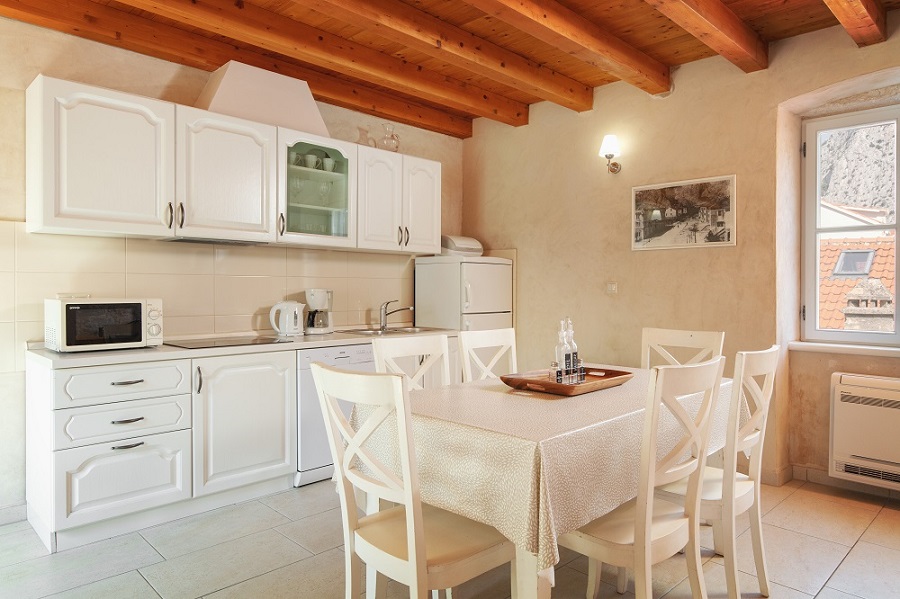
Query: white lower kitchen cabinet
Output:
(102,481)
(245,419)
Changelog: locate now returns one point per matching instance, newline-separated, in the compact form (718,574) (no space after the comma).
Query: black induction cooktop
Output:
(223,342)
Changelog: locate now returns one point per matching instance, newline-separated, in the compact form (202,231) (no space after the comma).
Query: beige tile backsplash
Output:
(206,289)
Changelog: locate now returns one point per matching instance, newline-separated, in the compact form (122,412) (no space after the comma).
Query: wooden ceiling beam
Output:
(100,23)
(565,29)
(444,41)
(864,20)
(716,25)
(246,23)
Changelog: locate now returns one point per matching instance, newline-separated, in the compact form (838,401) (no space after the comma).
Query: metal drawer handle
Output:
(400,236)
(181,212)
(170,210)
(132,446)
(125,383)
(281,224)
(127,420)
(199,380)
(406,229)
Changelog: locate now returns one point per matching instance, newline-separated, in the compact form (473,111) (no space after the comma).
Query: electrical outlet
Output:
(612,288)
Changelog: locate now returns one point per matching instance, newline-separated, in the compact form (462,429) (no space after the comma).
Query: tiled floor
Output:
(820,542)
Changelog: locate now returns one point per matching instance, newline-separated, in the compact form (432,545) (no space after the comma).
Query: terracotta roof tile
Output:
(833,289)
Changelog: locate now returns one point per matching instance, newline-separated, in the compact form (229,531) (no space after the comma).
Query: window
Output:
(850,176)
(854,263)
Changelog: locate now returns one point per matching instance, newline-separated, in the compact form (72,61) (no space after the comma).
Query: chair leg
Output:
(695,566)
(376,584)
(352,574)
(593,583)
(728,549)
(622,580)
(717,537)
(759,554)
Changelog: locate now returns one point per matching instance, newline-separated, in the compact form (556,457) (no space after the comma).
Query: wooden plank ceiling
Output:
(438,64)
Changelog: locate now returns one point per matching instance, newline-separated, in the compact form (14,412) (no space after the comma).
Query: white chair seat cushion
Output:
(618,526)
(449,539)
(712,487)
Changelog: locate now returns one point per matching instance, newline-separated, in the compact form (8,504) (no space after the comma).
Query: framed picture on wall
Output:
(684,214)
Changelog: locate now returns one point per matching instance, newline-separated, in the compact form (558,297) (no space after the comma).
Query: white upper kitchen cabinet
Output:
(316,190)
(225,177)
(98,161)
(244,420)
(421,205)
(399,202)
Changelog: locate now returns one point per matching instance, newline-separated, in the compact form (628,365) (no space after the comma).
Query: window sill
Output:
(845,348)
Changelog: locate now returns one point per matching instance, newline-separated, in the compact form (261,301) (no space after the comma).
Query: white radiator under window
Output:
(865,429)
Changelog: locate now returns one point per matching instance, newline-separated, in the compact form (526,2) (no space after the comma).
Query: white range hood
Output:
(248,92)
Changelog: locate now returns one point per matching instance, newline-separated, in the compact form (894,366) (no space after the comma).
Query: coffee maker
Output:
(318,319)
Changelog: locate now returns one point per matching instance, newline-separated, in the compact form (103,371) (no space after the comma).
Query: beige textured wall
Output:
(205,288)
(542,190)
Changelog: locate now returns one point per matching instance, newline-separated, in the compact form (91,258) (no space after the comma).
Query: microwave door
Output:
(104,324)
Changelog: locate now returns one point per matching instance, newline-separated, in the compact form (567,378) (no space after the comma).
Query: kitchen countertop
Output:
(57,360)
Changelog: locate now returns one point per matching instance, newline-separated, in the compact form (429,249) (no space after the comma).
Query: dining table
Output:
(536,465)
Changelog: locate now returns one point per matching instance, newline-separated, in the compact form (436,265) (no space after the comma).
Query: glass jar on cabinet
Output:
(317,190)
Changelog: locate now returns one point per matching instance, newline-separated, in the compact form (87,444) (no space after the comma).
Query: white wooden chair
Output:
(647,530)
(672,346)
(424,360)
(492,345)
(725,492)
(416,544)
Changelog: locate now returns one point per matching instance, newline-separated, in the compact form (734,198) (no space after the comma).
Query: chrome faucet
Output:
(383,312)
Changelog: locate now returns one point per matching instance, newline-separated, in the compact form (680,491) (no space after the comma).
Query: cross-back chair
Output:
(673,346)
(423,359)
(484,351)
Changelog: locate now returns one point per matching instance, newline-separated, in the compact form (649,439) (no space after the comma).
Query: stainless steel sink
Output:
(390,331)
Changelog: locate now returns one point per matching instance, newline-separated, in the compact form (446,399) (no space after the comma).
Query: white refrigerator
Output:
(464,293)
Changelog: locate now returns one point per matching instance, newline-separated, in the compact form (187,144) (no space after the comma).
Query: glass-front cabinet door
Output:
(316,190)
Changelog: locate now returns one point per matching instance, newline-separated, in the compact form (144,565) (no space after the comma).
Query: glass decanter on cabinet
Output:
(317,191)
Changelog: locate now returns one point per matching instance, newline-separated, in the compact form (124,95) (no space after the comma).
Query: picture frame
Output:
(684,214)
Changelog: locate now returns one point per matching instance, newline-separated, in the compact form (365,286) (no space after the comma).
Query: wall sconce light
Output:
(609,149)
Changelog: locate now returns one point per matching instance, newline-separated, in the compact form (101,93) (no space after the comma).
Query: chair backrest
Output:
(381,414)
(673,346)
(751,393)
(414,357)
(484,350)
(688,393)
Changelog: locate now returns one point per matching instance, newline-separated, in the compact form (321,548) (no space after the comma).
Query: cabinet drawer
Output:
(112,479)
(77,427)
(106,384)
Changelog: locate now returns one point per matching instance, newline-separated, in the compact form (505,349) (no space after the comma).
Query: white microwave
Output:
(79,324)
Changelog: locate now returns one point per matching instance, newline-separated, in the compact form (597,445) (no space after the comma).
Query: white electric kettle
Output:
(287,318)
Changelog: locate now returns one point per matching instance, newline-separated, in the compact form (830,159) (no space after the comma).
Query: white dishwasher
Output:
(314,461)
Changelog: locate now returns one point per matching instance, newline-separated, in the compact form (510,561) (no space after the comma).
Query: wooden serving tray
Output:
(594,380)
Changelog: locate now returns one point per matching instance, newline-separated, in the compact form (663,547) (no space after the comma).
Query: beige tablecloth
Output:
(534,465)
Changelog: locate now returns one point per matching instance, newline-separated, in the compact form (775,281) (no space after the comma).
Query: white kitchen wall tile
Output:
(244,323)
(377,266)
(152,256)
(8,346)
(7,296)
(33,287)
(247,295)
(188,326)
(27,331)
(297,286)
(7,246)
(182,295)
(251,261)
(359,296)
(382,290)
(12,439)
(37,252)
(302,262)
